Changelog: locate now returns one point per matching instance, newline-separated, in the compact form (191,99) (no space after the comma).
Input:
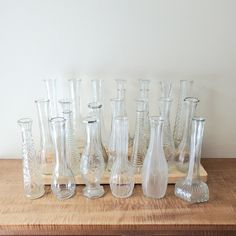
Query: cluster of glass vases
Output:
(156,151)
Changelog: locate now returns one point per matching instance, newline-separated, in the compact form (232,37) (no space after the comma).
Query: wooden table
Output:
(136,215)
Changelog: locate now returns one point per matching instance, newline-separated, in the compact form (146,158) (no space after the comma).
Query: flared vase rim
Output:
(121,118)
(155,119)
(42,100)
(94,105)
(75,79)
(50,79)
(57,120)
(186,80)
(116,99)
(192,99)
(90,120)
(117,79)
(65,100)
(199,119)
(25,120)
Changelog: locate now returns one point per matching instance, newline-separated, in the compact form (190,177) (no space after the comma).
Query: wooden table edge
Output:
(102,229)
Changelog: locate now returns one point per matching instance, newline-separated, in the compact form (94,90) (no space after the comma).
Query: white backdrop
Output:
(129,39)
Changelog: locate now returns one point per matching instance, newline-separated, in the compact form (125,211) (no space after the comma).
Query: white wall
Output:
(124,38)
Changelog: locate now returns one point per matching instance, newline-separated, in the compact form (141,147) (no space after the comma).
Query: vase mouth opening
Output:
(57,120)
(94,105)
(186,81)
(199,119)
(65,101)
(23,121)
(116,100)
(192,99)
(42,100)
(74,79)
(90,120)
(50,79)
(156,119)
(121,118)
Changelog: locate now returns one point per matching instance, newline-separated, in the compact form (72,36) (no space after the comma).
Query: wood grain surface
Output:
(108,215)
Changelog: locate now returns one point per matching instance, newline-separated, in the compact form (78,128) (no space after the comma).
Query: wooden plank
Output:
(108,215)
(173,177)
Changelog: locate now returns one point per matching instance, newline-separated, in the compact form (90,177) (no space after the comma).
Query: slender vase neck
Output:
(156,133)
(59,141)
(121,124)
(190,107)
(43,116)
(91,130)
(75,85)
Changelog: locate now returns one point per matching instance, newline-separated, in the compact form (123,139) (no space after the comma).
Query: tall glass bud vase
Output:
(46,146)
(96,111)
(92,164)
(118,109)
(63,183)
(183,150)
(32,176)
(186,90)
(192,189)
(155,168)
(122,172)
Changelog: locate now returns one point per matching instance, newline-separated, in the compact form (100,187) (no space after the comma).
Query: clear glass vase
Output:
(51,88)
(192,189)
(75,91)
(63,182)
(186,90)
(155,168)
(46,152)
(168,141)
(92,164)
(32,176)
(122,172)
(183,150)
(118,109)
(72,146)
(140,139)
(96,111)
(166,88)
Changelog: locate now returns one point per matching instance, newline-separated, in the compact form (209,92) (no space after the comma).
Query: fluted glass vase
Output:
(140,138)
(32,175)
